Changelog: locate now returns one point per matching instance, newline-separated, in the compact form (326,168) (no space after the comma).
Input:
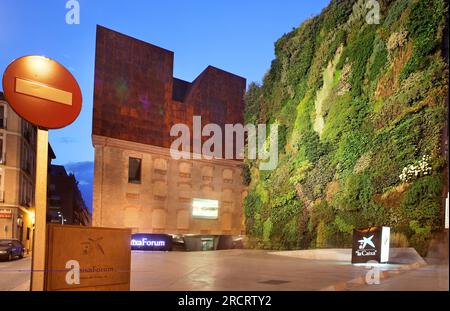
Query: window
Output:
(23,191)
(2,193)
(25,156)
(134,170)
(2,151)
(26,192)
(2,116)
(27,159)
(204,208)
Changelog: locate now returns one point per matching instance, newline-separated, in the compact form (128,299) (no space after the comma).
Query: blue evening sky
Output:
(237,36)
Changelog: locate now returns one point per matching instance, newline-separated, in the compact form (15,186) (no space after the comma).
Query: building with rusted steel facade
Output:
(137,183)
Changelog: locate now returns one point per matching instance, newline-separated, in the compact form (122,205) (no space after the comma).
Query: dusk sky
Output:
(237,36)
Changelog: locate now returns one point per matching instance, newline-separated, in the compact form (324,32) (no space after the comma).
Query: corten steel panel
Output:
(132,88)
(137,99)
(103,254)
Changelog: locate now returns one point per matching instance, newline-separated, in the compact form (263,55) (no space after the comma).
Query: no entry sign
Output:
(42,91)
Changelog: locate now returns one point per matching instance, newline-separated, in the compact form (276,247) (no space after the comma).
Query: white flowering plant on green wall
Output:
(416,170)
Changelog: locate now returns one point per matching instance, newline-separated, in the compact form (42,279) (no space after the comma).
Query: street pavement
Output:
(234,270)
(257,270)
(15,274)
(244,270)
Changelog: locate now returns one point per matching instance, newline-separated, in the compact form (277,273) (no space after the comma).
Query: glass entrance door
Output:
(207,244)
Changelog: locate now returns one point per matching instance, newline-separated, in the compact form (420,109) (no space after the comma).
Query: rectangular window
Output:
(22,190)
(2,193)
(204,208)
(24,156)
(28,233)
(134,170)
(2,117)
(2,154)
(30,193)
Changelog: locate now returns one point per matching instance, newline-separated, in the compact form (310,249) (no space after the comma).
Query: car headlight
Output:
(3,252)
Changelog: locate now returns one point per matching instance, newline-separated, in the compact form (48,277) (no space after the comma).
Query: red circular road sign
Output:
(42,91)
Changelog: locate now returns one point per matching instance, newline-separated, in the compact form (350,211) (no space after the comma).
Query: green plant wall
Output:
(359,105)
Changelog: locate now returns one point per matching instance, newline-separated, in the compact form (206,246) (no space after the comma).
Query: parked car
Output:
(10,249)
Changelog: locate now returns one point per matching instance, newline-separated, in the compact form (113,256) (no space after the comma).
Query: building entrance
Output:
(207,244)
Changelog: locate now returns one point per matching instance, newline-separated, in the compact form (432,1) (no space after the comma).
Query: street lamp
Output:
(63,220)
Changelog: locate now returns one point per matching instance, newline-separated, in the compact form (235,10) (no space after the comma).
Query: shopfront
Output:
(16,224)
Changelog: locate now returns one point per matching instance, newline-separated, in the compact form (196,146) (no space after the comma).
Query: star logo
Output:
(366,241)
(92,245)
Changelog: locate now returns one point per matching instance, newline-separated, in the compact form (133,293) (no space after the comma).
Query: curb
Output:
(361,280)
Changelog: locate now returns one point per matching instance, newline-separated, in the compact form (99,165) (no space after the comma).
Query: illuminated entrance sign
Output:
(145,242)
(151,242)
(204,208)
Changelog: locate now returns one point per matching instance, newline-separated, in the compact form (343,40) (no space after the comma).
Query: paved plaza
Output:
(15,274)
(263,270)
(257,270)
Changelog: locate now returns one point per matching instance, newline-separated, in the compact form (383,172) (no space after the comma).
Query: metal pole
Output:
(39,242)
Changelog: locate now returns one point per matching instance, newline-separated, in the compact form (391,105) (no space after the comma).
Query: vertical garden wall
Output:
(361,109)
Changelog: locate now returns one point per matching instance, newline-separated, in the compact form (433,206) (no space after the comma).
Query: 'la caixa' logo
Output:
(366,247)
(370,244)
(92,245)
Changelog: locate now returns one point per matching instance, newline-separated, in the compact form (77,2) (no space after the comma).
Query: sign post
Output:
(371,244)
(38,258)
(43,92)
